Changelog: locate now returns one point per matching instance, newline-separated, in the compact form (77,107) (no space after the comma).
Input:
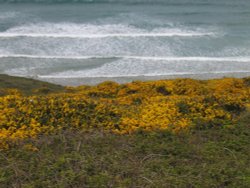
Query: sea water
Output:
(88,41)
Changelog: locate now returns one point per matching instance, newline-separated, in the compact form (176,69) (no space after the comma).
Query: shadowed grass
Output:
(28,86)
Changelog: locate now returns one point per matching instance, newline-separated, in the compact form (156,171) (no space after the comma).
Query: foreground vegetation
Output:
(169,133)
(212,158)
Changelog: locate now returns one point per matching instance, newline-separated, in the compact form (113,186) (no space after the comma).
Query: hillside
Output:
(26,85)
(167,133)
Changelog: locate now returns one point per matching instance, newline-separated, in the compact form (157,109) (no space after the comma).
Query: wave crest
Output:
(70,30)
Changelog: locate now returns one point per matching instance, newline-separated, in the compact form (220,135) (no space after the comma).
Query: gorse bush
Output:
(123,108)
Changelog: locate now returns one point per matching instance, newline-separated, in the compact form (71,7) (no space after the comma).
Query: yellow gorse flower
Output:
(123,108)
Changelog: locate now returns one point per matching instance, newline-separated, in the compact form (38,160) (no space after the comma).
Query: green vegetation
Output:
(207,157)
(217,157)
(27,86)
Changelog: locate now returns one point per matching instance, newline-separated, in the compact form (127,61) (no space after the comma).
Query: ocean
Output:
(89,41)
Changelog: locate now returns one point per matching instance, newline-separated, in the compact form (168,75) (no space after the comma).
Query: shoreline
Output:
(30,86)
(91,81)
(77,81)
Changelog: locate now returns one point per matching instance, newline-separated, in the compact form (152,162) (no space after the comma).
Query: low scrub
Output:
(173,105)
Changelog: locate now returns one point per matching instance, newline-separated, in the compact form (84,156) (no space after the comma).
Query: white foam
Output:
(205,59)
(151,58)
(71,30)
(133,35)
(46,57)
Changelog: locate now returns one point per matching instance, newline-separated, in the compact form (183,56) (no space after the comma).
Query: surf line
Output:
(151,58)
(108,35)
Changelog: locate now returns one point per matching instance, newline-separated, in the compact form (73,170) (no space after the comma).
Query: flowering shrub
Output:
(167,104)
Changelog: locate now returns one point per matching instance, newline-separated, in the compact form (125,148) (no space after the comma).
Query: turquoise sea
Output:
(88,41)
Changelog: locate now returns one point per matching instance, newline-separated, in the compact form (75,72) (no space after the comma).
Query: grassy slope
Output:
(201,158)
(27,85)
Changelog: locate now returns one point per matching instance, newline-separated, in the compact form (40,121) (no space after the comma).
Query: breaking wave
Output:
(151,58)
(70,30)
(37,35)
